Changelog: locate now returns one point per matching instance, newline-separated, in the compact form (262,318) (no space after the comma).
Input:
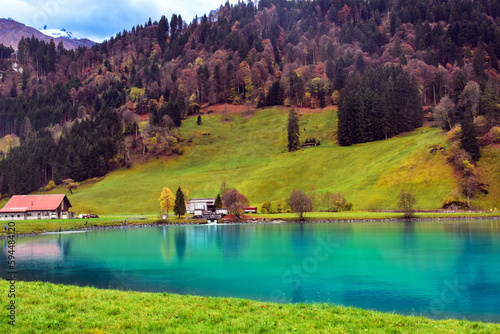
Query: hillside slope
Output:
(249,153)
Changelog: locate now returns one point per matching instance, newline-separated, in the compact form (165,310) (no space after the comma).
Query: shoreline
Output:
(247,221)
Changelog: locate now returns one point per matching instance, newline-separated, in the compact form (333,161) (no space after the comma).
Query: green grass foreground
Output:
(51,308)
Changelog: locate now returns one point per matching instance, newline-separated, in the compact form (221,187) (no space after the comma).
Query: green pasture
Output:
(489,166)
(55,308)
(250,155)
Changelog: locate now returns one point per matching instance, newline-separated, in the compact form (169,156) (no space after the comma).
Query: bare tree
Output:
(406,203)
(444,112)
(469,98)
(300,203)
(71,184)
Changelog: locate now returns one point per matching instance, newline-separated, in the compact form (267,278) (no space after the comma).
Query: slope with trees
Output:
(297,53)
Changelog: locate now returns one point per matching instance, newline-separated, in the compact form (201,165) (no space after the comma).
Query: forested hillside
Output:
(84,103)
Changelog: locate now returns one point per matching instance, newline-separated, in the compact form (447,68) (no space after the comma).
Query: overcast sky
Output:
(99,20)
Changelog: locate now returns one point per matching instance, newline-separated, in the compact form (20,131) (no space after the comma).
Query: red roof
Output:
(24,203)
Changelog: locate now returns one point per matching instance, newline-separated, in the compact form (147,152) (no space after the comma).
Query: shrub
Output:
(266,207)
(237,100)
(178,150)
(172,141)
(494,134)
(51,185)
(454,134)
(335,97)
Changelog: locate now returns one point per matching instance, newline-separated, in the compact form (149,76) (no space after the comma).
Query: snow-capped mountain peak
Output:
(56,33)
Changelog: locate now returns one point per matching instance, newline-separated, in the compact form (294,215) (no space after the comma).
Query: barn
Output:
(31,207)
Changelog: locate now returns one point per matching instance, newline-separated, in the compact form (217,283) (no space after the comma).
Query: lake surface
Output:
(440,270)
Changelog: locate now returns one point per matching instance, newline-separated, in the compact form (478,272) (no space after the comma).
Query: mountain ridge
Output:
(12,31)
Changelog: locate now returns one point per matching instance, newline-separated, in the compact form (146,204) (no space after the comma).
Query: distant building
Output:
(31,207)
(251,209)
(200,205)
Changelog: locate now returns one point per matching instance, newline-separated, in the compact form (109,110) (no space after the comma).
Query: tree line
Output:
(237,53)
(383,102)
(88,149)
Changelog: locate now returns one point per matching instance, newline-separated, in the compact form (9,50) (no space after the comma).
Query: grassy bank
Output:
(49,308)
(250,154)
(53,225)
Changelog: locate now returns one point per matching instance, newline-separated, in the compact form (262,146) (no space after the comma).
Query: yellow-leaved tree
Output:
(167,200)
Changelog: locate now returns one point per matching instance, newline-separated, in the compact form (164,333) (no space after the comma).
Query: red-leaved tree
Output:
(234,202)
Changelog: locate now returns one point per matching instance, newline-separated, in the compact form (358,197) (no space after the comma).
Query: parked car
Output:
(87,215)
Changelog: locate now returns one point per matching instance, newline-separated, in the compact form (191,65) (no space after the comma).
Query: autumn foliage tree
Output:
(167,200)
(234,202)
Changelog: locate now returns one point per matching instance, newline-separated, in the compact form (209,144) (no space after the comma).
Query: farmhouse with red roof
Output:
(27,207)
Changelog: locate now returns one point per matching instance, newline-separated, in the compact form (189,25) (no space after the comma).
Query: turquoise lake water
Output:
(446,269)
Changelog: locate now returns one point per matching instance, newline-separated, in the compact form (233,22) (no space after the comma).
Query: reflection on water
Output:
(437,269)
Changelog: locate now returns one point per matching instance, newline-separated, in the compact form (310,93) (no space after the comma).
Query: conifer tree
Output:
(468,136)
(180,203)
(478,65)
(459,84)
(218,202)
(293,131)
(467,105)
(489,102)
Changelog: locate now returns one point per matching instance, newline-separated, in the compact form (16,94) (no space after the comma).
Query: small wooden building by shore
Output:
(32,207)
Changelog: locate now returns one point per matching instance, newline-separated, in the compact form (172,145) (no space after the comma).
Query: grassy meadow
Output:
(250,155)
(71,309)
(489,166)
